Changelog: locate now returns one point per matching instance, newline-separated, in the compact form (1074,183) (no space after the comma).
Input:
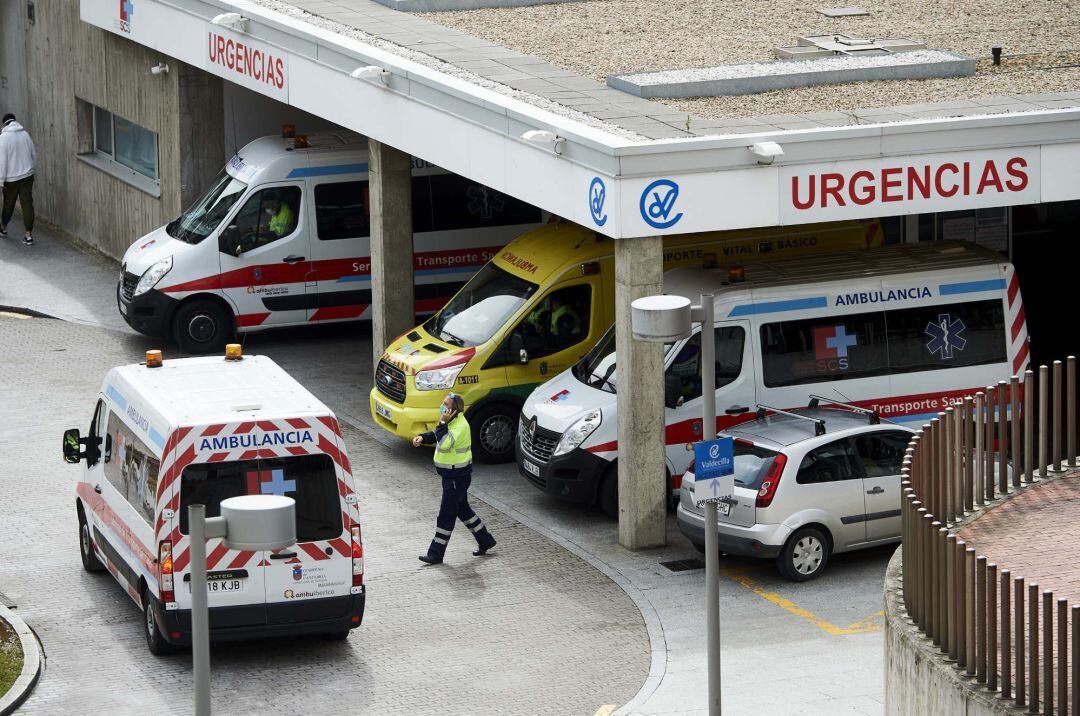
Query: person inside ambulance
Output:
(269,215)
(555,323)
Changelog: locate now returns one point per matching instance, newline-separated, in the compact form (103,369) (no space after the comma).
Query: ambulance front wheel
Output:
(202,326)
(90,561)
(494,428)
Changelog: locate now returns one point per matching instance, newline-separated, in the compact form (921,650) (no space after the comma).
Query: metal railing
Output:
(1007,635)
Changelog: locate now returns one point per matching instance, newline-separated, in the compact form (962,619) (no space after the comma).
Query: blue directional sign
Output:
(714,467)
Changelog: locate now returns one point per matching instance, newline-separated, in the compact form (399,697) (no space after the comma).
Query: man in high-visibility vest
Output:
(453,461)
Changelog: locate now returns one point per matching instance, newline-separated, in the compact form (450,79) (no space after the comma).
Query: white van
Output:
(200,430)
(906,330)
(281,238)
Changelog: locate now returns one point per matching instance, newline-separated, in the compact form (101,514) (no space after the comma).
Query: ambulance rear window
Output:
(308,479)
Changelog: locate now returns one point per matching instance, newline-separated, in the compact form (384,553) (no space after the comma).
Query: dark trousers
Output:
(455,506)
(23,190)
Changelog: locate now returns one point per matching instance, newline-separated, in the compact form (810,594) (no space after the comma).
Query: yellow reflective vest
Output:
(455,448)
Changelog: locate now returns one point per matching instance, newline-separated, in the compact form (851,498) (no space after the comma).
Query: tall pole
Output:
(200,626)
(712,549)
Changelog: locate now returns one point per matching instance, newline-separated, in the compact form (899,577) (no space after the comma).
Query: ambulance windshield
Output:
(481,308)
(200,220)
(597,368)
(308,479)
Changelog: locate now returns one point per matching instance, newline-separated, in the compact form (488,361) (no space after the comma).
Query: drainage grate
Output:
(684,565)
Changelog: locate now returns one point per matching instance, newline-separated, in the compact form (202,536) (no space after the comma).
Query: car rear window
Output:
(308,479)
(751,463)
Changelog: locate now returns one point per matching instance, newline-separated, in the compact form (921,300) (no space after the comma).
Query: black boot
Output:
(430,559)
(484,547)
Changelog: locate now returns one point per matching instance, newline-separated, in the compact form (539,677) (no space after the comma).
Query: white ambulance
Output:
(906,330)
(281,238)
(168,434)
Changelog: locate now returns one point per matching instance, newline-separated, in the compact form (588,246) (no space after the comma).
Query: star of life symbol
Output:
(945,335)
(485,201)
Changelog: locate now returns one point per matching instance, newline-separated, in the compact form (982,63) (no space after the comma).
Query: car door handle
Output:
(97,489)
(292,259)
(876,491)
(283,555)
(737,410)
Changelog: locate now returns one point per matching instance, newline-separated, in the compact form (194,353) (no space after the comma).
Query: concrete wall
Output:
(918,680)
(13,24)
(65,59)
(250,115)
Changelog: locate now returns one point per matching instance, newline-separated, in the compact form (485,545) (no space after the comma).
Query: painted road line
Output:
(870,624)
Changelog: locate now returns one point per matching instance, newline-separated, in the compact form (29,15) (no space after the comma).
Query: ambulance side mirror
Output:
(672,391)
(73,446)
(517,348)
(229,241)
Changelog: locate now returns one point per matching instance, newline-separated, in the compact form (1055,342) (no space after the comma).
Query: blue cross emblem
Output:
(841,342)
(277,485)
(945,335)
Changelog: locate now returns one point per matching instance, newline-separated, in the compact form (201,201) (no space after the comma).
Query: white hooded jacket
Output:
(17,153)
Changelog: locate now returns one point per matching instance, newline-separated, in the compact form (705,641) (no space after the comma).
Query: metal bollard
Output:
(1003,438)
(991,654)
(1029,425)
(981,613)
(949,640)
(959,433)
(969,448)
(976,458)
(1048,651)
(921,528)
(1057,417)
(1018,642)
(1033,648)
(949,474)
(1014,425)
(1063,657)
(907,538)
(1006,634)
(988,444)
(968,651)
(942,592)
(1070,419)
(1044,420)
(1074,660)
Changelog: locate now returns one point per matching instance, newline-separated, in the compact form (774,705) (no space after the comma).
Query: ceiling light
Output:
(766,151)
(541,136)
(231,19)
(372,72)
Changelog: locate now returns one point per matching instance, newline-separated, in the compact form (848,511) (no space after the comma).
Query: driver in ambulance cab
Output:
(281,218)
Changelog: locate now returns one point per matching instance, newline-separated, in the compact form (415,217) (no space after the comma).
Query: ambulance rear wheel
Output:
(494,429)
(90,561)
(201,326)
(155,642)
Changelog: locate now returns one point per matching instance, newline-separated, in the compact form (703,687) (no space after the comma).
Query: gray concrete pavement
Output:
(812,648)
(530,630)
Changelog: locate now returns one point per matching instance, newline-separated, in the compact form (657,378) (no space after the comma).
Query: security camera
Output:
(159,69)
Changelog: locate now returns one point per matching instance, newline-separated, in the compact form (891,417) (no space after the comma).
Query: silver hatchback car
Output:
(808,483)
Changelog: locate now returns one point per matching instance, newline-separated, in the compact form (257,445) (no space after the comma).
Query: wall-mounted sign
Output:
(248,62)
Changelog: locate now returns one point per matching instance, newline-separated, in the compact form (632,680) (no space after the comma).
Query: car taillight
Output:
(165,567)
(357,558)
(772,479)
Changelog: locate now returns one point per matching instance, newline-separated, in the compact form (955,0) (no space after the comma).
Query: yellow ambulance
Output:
(534,310)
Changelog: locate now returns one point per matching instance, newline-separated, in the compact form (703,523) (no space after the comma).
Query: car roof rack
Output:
(873,415)
(819,424)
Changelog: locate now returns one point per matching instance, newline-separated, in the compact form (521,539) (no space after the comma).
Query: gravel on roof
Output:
(597,38)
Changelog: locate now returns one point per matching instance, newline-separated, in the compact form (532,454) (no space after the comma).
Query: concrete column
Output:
(392,294)
(642,489)
(202,129)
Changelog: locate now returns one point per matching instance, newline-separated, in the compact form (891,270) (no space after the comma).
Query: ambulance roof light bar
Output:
(372,72)
(233,20)
(153,359)
(819,424)
(875,419)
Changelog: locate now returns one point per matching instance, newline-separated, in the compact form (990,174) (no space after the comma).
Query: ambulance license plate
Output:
(222,585)
(123,308)
(530,468)
(384,412)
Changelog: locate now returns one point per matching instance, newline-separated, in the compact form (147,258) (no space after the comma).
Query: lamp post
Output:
(664,319)
(248,522)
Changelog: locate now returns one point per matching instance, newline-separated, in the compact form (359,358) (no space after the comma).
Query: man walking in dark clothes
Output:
(17,158)
(452,439)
